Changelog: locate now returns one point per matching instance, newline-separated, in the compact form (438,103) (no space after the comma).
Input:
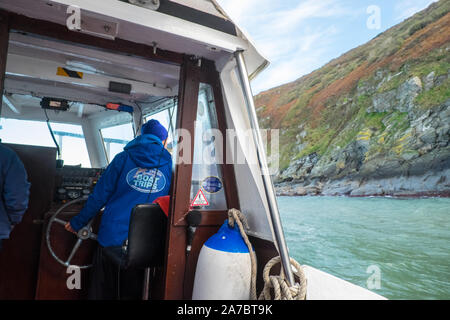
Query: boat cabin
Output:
(79,79)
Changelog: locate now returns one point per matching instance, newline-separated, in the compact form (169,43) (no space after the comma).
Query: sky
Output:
(300,36)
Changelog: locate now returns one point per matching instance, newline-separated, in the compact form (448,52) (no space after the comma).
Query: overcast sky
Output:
(299,36)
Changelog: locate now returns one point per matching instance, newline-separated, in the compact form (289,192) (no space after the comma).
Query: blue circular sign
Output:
(212,184)
(143,180)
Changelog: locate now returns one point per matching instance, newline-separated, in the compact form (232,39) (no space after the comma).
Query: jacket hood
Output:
(147,151)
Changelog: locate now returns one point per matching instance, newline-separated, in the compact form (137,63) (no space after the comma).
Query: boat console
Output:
(73,182)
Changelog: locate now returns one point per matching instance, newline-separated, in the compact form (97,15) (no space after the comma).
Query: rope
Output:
(235,215)
(280,287)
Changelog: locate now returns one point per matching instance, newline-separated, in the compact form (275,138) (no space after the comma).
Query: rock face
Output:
(419,163)
(364,126)
(401,99)
(301,167)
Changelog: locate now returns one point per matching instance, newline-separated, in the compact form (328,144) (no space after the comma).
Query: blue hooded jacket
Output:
(14,190)
(139,174)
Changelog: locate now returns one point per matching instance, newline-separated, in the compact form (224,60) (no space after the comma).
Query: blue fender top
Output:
(227,239)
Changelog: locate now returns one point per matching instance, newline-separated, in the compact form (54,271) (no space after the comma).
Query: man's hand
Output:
(69,228)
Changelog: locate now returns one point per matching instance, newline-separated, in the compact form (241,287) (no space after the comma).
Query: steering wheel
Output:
(82,234)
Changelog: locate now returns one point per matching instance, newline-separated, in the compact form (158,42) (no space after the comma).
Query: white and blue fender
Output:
(223,267)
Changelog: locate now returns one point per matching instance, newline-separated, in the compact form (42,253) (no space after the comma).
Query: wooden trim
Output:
(212,220)
(187,113)
(212,77)
(180,270)
(61,32)
(4,39)
(181,186)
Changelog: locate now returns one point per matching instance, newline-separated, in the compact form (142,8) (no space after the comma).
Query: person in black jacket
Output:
(14,191)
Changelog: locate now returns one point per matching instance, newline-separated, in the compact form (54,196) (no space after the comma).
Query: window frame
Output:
(180,270)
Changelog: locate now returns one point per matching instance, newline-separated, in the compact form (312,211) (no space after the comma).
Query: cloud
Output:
(285,33)
(238,9)
(298,36)
(302,55)
(291,18)
(285,71)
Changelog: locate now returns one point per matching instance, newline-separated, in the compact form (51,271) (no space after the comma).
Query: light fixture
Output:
(54,104)
(98,26)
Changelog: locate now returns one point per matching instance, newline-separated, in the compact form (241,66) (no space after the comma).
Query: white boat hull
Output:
(324,286)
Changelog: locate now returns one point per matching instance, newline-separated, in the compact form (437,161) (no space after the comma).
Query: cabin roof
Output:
(197,27)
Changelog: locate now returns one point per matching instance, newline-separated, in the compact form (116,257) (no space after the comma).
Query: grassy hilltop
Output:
(379,112)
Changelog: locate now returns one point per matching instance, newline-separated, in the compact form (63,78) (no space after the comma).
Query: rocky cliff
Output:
(375,121)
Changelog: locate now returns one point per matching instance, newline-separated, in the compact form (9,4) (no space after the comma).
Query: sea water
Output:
(398,248)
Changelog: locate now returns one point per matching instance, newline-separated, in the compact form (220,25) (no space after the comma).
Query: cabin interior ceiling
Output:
(32,61)
(31,74)
(56,12)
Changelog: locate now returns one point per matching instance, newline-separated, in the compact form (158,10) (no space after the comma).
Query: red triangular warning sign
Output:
(200,199)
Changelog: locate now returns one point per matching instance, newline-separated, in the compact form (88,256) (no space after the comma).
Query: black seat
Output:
(146,239)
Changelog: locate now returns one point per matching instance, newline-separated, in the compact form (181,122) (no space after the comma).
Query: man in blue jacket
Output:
(14,191)
(139,174)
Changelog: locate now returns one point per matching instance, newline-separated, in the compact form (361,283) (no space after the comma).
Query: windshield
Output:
(167,118)
(69,137)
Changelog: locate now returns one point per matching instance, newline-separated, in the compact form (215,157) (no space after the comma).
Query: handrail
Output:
(267,181)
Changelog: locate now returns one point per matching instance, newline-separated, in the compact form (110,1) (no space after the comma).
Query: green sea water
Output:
(407,240)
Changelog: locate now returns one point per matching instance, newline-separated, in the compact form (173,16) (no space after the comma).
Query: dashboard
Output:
(73,182)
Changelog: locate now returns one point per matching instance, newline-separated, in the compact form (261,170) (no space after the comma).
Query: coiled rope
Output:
(281,289)
(279,285)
